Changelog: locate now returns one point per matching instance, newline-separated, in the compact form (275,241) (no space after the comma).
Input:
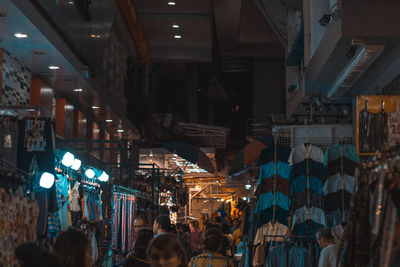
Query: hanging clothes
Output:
(289,257)
(18,219)
(340,162)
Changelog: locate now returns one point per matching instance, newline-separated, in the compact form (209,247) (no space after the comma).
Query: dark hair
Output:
(30,254)
(164,222)
(169,244)
(212,240)
(325,233)
(225,229)
(218,219)
(142,217)
(71,247)
(195,224)
(142,241)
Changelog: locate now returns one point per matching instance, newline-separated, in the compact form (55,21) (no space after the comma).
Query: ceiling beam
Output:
(128,12)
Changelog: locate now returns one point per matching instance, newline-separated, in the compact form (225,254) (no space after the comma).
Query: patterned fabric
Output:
(268,155)
(289,257)
(267,200)
(299,200)
(307,228)
(265,216)
(299,184)
(267,185)
(334,201)
(335,218)
(334,167)
(303,214)
(211,259)
(54,227)
(300,153)
(267,170)
(315,169)
(334,184)
(266,232)
(334,153)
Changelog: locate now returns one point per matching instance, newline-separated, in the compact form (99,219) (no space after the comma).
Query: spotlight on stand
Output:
(68,159)
(103,177)
(76,165)
(90,173)
(46,180)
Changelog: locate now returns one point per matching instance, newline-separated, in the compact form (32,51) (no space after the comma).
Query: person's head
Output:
(324,237)
(142,241)
(236,223)
(140,223)
(194,225)
(209,225)
(166,251)
(72,248)
(218,219)
(30,255)
(212,240)
(162,224)
(225,229)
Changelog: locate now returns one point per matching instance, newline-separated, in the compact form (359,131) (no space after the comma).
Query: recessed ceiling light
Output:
(21,35)
(109,120)
(52,67)
(177,36)
(78,90)
(120,130)
(175,26)
(95,35)
(95,107)
(171,3)
(70,2)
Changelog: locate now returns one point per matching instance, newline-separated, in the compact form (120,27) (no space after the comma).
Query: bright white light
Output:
(120,130)
(219,200)
(89,173)
(46,180)
(151,154)
(198,187)
(104,177)
(21,35)
(177,36)
(76,165)
(78,90)
(171,3)
(175,26)
(95,107)
(52,67)
(244,198)
(247,186)
(109,120)
(68,159)
(175,155)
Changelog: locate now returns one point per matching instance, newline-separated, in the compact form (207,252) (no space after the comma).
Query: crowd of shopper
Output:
(162,245)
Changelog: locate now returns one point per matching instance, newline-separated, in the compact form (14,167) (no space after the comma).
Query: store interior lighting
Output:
(46,180)
(68,159)
(248,186)
(52,67)
(89,173)
(104,177)
(76,165)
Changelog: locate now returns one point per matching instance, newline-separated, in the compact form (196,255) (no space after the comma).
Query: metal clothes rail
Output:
(130,191)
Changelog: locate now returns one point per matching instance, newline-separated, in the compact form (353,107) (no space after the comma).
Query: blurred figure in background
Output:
(165,250)
(138,256)
(212,243)
(72,249)
(196,237)
(31,255)
(328,256)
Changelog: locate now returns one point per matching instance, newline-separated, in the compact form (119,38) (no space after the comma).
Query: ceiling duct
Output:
(365,55)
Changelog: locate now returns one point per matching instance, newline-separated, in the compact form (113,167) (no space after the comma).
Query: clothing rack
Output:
(130,191)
